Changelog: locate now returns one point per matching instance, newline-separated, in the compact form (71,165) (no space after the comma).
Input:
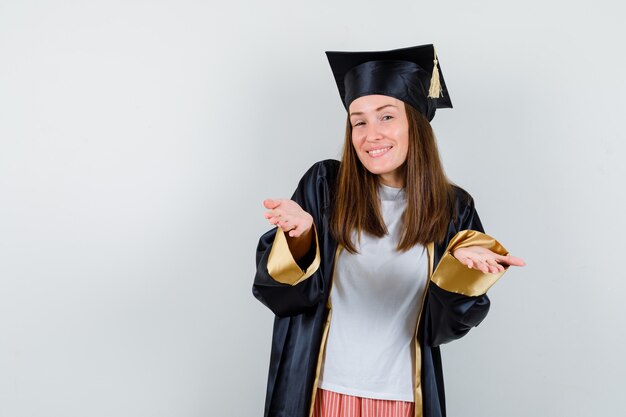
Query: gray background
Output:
(138,139)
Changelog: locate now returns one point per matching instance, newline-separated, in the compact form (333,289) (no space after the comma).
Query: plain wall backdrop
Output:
(139,138)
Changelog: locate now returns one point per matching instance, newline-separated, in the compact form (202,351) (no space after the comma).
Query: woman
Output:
(377,259)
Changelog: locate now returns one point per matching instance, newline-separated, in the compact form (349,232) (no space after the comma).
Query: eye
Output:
(387,117)
(359,123)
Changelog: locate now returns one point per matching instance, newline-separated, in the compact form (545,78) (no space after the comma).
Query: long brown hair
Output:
(428,192)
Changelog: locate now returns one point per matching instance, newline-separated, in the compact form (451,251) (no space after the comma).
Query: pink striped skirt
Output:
(332,404)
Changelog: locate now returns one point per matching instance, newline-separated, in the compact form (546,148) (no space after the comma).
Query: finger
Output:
(494,266)
(269,203)
(490,261)
(274,220)
(514,260)
(274,213)
(474,262)
(286,224)
(274,217)
(269,214)
(511,260)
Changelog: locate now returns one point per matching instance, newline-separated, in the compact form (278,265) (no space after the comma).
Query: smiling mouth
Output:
(378,152)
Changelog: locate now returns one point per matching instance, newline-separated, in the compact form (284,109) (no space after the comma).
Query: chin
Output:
(378,171)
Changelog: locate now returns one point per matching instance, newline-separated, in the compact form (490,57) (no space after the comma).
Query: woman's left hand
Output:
(482,259)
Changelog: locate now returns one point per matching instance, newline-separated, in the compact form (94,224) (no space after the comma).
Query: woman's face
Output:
(380,136)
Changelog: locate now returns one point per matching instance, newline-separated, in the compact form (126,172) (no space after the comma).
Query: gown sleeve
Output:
(285,286)
(457,294)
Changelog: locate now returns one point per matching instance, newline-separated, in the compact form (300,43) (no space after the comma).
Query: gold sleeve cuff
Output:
(283,268)
(452,275)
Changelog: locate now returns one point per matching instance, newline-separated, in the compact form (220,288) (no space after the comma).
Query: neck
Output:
(391,180)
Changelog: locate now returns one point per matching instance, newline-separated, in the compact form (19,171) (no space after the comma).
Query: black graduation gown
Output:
(455,301)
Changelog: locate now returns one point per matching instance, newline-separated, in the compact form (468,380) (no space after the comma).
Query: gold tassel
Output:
(435,84)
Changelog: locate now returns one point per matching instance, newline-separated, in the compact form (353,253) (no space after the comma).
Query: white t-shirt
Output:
(375,298)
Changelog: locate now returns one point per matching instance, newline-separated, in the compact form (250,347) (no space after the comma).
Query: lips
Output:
(375,153)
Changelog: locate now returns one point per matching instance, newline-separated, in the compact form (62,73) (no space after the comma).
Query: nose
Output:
(373,132)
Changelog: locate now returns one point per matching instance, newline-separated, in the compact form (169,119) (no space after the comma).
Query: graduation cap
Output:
(412,75)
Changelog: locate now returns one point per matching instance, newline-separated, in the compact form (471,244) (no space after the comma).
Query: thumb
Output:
(269,203)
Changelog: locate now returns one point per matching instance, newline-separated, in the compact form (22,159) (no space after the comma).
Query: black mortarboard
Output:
(412,75)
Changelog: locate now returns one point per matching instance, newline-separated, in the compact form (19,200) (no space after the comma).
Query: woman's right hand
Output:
(289,216)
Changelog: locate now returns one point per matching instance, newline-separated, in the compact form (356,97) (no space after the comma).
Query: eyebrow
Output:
(358,113)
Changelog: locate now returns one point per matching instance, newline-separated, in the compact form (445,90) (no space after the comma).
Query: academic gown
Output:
(454,301)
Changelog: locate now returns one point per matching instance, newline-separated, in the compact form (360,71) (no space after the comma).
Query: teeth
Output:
(377,151)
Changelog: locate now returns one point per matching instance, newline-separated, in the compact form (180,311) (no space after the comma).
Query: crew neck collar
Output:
(388,193)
